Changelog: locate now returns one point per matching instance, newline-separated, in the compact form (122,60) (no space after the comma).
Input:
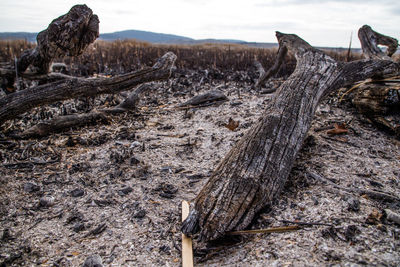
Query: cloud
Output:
(323,23)
(394,10)
(322,2)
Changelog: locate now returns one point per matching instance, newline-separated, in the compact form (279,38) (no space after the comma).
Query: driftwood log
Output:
(254,172)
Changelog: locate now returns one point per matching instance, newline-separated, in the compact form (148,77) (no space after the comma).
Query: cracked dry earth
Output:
(115,190)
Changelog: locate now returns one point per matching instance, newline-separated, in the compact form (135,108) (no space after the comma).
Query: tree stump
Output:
(68,35)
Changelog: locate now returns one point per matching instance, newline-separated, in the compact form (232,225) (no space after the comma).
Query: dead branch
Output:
(131,102)
(208,97)
(19,102)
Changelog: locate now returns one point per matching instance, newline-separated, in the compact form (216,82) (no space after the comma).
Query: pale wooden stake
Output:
(187,250)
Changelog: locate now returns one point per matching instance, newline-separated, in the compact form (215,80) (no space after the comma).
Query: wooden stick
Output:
(267,230)
(187,250)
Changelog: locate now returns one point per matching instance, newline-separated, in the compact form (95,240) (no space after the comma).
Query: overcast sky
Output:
(321,23)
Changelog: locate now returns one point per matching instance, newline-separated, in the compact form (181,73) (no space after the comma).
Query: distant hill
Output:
(29,36)
(151,37)
(146,36)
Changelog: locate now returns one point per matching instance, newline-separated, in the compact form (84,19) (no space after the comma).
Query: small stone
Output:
(374,217)
(46,201)
(351,232)
(135,144)
(124,191)
(77,192)
(165,249)
(166,169)
(353,204)
(315,200)
(31,187)
(78,227)
(134,161)
(93,261)
(139,214)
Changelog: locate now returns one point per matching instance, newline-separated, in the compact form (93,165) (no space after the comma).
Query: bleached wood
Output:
(187,248)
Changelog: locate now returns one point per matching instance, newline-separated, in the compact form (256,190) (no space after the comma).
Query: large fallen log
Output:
(19,102)
(252,174)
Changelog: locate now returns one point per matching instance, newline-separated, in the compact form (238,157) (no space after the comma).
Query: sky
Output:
(321,23)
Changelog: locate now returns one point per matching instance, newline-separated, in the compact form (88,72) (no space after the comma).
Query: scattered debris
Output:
(339,129)
(88,165)
(77,192)
(211,97)
(232,124)
(93,261)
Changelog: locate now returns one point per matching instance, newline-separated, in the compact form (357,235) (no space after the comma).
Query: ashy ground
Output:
(115,190)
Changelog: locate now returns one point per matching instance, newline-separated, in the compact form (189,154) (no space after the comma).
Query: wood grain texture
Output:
(253,173)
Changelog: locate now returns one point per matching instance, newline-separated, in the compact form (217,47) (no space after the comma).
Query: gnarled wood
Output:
(253,173)
(19,102)
(370,40)
(68,35)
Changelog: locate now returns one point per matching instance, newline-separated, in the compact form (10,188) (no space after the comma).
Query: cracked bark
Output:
(252,174)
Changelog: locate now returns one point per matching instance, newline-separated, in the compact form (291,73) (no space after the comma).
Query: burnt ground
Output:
(115,190)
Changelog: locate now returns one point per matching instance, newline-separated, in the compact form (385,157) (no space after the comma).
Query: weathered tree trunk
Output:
(19,102)
(68,35)
(253,173)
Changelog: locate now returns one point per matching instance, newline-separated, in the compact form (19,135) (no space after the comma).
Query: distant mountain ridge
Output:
(29,36)
(146,36)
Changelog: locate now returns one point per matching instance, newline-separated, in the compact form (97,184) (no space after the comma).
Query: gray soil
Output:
(116,190)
